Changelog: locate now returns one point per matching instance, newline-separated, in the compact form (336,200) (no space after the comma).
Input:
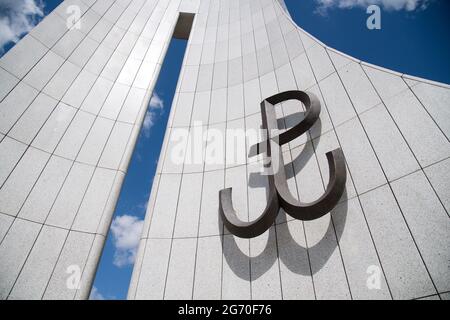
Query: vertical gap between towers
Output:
(116,264)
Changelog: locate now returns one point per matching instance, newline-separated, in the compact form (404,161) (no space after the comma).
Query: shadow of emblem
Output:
(279,195)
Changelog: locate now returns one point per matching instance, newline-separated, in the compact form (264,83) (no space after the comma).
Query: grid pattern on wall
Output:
(394,129)
(72,103)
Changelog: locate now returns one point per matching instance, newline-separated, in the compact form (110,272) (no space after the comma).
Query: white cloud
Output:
(18,17)
(96,295)
(156,102)
(389,5)
(143,206)
(126,232)
(156,106)
(149,121)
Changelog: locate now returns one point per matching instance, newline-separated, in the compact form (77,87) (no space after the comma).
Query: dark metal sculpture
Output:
(279,193)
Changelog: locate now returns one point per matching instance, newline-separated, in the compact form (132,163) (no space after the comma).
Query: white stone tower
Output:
(72,102)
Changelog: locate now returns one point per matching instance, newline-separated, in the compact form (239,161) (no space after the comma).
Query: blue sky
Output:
(413,39)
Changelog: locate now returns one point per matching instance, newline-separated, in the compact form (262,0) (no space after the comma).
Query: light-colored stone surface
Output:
(69,267)
(435,297)
(362,162)
(6,222)
(31,121)
(164,212)
(71,106)
(209,219)
(429,224)
(358,251)
(42,196)
(435,100)
(14,250)
(326,260)
(66,205)
(37,270)
(235,268)
(14,104)
(265,271)
(188,210)
(8,82)
(295,270)
(94,201)
(336,100)
(151,278)
(22,57)
(425,139)
(15,190)
(439,177)
(11,151)
(54,128)
(208,269)
(395,157)
(445,296)
(407,277)
(180,280)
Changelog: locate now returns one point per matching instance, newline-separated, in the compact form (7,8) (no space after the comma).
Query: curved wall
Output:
(72,103)
(392,221)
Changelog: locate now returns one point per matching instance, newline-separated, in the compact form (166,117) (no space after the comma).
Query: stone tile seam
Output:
(65,158)
(28,147)
(382,169)
(47,50)
(358,194)
(291,148)
(52,153)
(426,110)
(406,141)
(307,89)
(150,216)
(390,186)
(54,201)
(97,76)
(292,165)
(435,83)
(176,127)
(47,119)
(139,35)
(63,18)
(203,180)
(166,276)
(77,109)
(349,172)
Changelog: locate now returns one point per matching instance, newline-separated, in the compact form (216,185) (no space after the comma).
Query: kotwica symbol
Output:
(279,195)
